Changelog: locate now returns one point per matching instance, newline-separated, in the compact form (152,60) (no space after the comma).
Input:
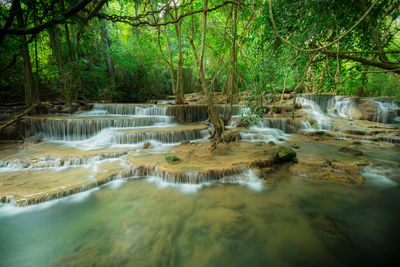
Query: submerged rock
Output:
(323,170)
(352,151)
(34,139)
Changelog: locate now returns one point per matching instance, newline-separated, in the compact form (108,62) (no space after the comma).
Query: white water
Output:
(343,107)
(380,175)
(384,108)
(323,122)
(247,178)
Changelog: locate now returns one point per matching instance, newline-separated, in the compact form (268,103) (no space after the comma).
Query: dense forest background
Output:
(133,51)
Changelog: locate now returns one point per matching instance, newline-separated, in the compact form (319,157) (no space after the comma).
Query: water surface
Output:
(293,221)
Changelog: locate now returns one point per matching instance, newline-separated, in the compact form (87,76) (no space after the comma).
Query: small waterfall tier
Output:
(182,113)
(69,128)
(286,125)
(269,129)
(168,135)
(128,109)
(322,107)
(388,110)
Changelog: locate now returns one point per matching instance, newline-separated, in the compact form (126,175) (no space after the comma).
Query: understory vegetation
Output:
(133,51)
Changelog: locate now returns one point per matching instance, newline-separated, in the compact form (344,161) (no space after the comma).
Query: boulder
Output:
(34,139)
(146,145)
(285,154)
(271,143)
(367,108)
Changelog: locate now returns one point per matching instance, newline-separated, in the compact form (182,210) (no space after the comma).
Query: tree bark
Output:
(212,111)
(30,98)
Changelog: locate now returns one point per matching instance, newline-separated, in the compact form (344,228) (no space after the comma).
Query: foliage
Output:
(111,60)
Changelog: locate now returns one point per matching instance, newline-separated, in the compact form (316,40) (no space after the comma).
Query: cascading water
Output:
(81,128)
(342,107)
(387,111)
(322,121)
(129,109)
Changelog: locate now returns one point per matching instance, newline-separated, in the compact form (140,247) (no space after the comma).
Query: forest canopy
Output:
(133,51)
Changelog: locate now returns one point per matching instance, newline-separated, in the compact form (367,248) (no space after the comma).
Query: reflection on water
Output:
(291,222)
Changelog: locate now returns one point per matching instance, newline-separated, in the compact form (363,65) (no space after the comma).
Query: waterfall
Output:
(72,129)
(168,137)
(343,107)
(285,125)
(127,109)
(323,122)
(223,110)
(387,110)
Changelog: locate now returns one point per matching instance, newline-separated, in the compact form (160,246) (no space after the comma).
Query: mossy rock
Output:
(172,159)
(285,154)
(354,152)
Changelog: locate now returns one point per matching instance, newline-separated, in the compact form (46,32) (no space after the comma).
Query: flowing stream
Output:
(291,222)
(148,221)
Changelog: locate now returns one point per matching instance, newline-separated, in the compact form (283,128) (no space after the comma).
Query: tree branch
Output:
(37,29)
(367,72)
(128,20)
(322,47)
(364,61)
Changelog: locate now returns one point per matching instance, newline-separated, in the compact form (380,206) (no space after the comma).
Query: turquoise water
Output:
(292,221)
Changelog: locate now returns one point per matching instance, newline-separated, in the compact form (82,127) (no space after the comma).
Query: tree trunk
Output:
(30,97)
(179,97)
(212,111)
(68,89)
(233,88)
(78,89)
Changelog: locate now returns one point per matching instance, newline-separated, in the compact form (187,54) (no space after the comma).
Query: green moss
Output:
(171,159)
(286,153)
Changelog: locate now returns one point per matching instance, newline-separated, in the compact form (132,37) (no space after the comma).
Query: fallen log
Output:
(19,116)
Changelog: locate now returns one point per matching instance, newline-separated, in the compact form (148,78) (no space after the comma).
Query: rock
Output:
(328,225)
(186,142)
(146,145)
(281,139)
(357,143)
(362,163)
(346,167)
(368,109)
(285,154)
(271,143)
(315,163)
(354,152)
(230,136)
(328,173)
(295,146)
(317,133)
(34,139)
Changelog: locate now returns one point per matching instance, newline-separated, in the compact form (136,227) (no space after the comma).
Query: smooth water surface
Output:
(293,221)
